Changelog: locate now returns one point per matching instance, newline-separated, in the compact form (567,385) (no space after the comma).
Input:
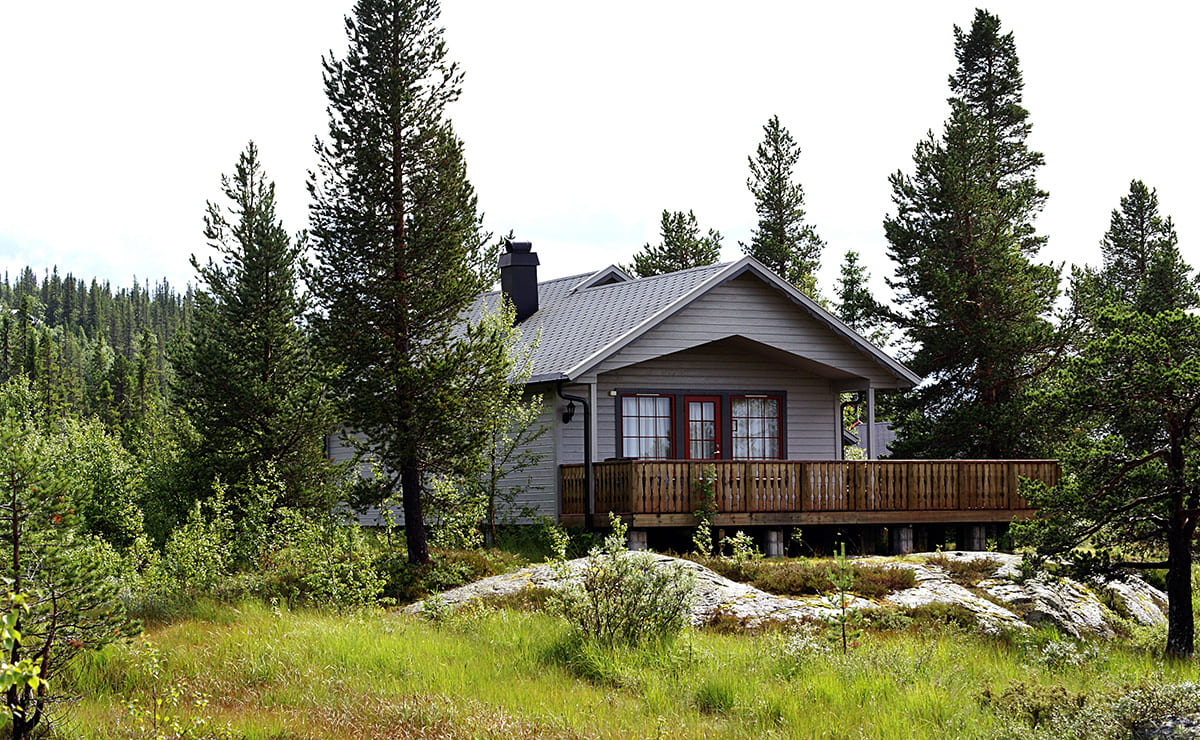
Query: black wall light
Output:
(568,412)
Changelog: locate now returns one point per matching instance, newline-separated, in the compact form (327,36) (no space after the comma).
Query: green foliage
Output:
(170,711)
(741,548)
(704,535)
(23,673)
(245,373)
(626,598)
(845,619)
(856,304)
(782,240)
(401,256)
(965,571)
(108,481)
(1129,399)
(804,576)
(69,577)
(971,303)
(682,247)
(381,672)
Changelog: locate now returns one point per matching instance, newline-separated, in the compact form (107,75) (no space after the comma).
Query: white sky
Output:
(582,121)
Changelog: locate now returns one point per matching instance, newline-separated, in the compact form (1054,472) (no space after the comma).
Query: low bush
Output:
(804,576)
(626,598)
(941,614)
(965,571)
(405,583)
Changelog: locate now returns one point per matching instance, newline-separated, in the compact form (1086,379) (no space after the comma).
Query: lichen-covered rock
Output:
(1002,600)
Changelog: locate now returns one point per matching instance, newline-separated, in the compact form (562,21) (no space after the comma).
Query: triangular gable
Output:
(747,265)
(608,276)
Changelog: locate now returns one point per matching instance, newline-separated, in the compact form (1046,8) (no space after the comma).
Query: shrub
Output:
(965,571)
(624,598)
(802,576)
(943,614)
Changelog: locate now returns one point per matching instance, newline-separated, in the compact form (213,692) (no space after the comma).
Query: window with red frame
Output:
(646,426)
(756,426)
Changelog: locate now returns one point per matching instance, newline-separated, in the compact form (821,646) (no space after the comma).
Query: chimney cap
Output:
(517,247)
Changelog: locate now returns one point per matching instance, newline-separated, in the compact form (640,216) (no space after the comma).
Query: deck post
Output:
(902,539)
(975,537)
(774,543)
(637,539)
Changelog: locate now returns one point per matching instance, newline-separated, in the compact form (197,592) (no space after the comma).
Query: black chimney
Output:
(518,278)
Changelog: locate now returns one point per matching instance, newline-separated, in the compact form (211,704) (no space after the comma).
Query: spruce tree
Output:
(971,301)
(682,247)
(782,240)
(400,257)
(246,374)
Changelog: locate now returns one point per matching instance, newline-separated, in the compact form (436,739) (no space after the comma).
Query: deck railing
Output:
(783,486)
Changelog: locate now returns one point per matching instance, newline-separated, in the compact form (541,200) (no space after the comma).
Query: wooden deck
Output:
(665,493)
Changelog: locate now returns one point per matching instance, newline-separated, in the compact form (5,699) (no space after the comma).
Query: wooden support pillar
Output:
(637,539)
(775,543)
(870,540)
(902,540)
(975,538)
(921,539)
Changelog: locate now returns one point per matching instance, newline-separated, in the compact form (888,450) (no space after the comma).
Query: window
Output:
(755,426)
(646,426)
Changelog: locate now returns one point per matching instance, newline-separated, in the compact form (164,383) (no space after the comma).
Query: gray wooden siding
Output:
(540,481)
(812,428)
(750,308)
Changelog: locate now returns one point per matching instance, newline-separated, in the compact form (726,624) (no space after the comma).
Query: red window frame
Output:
(644,427)
(757,428)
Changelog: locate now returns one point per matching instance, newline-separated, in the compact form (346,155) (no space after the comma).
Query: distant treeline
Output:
(89,349)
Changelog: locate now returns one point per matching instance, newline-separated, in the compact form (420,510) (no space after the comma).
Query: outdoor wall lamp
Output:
(568,412)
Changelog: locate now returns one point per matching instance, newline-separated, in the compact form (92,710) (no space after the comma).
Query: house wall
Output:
(812,405)
(748,307)
(540,479)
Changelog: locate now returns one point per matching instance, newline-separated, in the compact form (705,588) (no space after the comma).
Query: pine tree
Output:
(1128,402)
(856,305)
(1142,265)
(782,240)
(399,247)
(972,303)
(682,247)
(246,375)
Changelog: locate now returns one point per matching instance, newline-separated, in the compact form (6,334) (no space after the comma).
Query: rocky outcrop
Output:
(999,598)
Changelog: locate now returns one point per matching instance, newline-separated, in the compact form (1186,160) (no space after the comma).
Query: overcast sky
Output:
(582,121)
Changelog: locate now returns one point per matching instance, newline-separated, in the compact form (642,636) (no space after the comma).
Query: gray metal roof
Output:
(578,327)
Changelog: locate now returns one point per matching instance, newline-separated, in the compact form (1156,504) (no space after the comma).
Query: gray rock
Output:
(999,602)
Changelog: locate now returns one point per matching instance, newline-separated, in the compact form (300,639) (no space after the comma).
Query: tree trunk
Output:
(414,518)
(1180,620)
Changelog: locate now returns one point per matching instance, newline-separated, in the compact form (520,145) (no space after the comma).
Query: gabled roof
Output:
(580,322)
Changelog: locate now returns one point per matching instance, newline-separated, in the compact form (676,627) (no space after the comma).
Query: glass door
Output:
(703,428)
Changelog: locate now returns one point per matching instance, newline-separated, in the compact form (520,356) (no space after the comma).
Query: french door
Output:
(702,432)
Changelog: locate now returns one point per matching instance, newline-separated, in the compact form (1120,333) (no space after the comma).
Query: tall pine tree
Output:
(682,247)
(246,374)
(972,303)
(400,255)
(782,240)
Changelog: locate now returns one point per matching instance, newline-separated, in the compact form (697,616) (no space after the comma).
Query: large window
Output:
(646,426)
(756,427)
(701,425)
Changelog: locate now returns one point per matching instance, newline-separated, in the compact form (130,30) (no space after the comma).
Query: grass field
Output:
(256,672)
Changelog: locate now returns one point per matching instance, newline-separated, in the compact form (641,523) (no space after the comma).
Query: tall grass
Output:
(299,674)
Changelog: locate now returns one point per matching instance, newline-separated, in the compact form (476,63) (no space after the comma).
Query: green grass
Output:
(505,673)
